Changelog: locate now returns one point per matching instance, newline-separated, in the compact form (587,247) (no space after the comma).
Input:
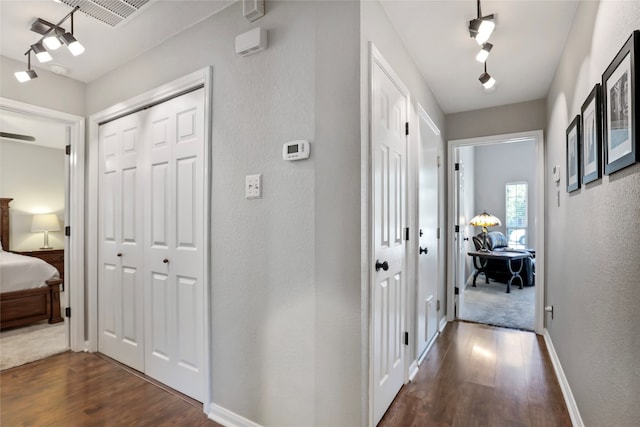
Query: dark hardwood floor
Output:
(478,375)
(474,375)
(83,389)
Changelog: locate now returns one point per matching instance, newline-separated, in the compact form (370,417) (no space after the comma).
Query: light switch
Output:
(253,186)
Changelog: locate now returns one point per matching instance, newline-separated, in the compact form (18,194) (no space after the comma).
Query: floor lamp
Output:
(484,220)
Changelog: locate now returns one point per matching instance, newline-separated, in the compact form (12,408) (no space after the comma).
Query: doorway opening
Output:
(497,278)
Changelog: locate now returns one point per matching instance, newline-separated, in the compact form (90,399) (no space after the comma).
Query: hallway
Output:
(477,375)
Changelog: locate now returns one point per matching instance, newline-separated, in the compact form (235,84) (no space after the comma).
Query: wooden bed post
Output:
(4,222)
(54,285)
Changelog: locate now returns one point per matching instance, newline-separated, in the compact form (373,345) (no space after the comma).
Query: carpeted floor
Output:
(23,345)
(491,305)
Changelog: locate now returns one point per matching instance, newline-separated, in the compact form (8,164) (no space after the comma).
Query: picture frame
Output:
(591,138)
(620,109)
(573,155)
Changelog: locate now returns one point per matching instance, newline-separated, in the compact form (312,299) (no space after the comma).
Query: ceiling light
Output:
(41,52)
(485,78)
(484,52)
(73,45)
(482,28)
(52,42)
(28,74)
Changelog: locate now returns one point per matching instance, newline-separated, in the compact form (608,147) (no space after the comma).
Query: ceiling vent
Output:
(111,12)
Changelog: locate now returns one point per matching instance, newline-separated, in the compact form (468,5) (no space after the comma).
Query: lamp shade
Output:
(45,222)
(484,220)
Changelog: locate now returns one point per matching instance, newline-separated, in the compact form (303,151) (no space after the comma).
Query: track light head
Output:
(52,42)
(73,45)
(41,52)
(484,52)
(487,81)
(481,28)
(26,75)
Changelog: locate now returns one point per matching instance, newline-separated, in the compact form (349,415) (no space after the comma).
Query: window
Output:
(516,215)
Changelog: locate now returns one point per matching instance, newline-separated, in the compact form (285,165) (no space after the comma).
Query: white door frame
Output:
(74,272)
(538,137)
(200,78)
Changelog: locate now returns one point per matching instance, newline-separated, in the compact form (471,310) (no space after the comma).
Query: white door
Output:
(389,145)
(426,309)
(174,244)
(460,243)
(120,281)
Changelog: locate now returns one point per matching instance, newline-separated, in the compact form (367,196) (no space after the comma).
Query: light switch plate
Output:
(253,186)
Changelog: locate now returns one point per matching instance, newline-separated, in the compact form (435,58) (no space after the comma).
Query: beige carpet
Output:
(23,345)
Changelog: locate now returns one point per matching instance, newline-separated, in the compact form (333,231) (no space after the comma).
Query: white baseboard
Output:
(443,324)
(413,370)
(227,418)
(572,406)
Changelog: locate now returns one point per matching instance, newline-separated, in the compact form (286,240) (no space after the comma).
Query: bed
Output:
(29,287)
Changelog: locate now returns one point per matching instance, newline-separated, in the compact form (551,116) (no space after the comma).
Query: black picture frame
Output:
(591,136)
(620,110)
(573,155)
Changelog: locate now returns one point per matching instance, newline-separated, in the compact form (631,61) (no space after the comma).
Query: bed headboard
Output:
(4,223)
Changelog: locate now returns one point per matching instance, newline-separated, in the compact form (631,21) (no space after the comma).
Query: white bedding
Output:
(18,272)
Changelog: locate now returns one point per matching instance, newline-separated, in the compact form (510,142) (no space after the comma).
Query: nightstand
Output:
(54,257)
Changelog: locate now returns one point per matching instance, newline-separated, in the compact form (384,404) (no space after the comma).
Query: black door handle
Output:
(382,265)
(466,239)
(424,251)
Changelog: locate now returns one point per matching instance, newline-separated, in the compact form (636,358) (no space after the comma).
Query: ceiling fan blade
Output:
(16,136)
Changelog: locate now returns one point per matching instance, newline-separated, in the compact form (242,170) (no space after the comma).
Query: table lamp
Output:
(46,223)
(484,220)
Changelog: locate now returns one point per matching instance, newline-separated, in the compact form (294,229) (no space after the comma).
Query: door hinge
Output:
(67,150)
(406,338)
(406,128)
(67,312)
(438,233)
(457,291)
(67,230)
(406,233)
(457,229)
(456,166)
(438,161)
(438,305)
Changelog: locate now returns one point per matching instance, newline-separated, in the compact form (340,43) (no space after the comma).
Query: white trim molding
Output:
(229,419)
(570,401)
(443,323)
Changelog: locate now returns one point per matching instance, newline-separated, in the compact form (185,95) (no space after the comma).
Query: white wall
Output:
(512,162)
(593,237)
(34,177)
(285,268)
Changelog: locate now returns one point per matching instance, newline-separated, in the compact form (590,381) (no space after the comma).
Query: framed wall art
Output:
(591,127)
(573,155)
(620,109)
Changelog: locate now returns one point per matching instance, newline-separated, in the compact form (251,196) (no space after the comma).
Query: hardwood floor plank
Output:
(478,375)
(83,389)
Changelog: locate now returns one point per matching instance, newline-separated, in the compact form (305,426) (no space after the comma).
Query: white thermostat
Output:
(295,150)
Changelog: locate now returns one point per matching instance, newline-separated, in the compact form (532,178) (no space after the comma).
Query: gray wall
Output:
(593,237)
(510,162)
(521,117)
(285,268)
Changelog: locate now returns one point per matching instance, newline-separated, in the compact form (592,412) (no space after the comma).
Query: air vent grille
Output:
(111,12)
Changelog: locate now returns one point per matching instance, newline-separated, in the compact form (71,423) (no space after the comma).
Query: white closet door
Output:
(174,193)
(120,282)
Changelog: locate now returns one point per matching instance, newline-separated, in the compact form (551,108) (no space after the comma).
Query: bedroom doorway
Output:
(34,143)
(489,188)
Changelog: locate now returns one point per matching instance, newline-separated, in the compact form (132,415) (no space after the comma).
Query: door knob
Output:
(119,254)
(166,261)
(466,239)
(382,265)
(424,250)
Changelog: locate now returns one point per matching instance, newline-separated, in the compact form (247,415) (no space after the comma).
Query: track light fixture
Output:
(485,78)
(28,74)
(482,27)
(53,36)
(484,52)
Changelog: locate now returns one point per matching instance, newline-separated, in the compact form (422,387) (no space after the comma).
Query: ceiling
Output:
(47,133)
(523,60)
